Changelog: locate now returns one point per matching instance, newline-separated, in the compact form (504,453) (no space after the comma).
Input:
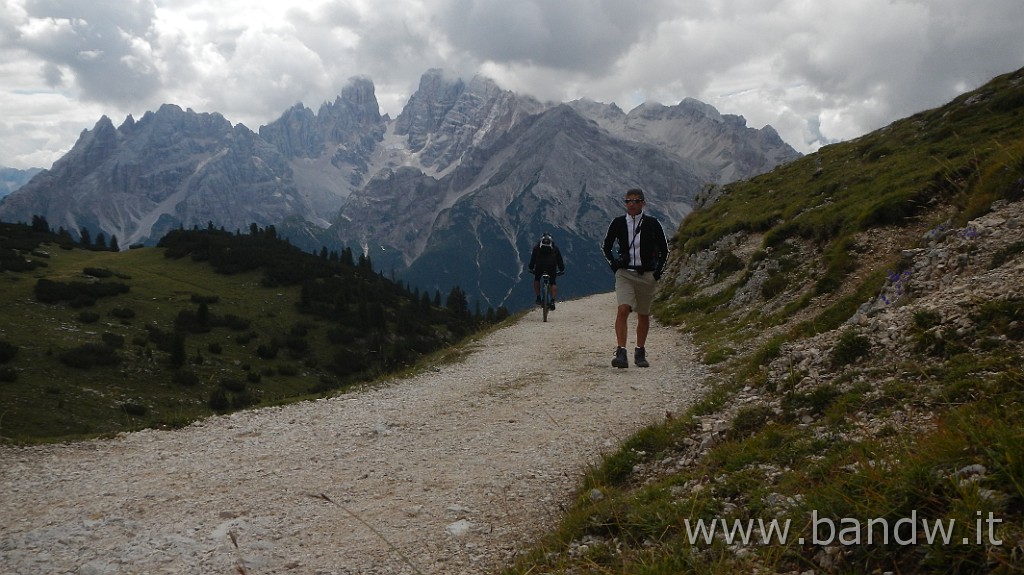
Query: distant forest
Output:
(371,312)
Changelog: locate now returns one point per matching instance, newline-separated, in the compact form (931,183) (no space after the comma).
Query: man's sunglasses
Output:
(634,201)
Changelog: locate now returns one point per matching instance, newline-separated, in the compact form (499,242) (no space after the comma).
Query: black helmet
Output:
(546,240)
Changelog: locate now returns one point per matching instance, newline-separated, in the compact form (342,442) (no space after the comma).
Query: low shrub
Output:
(122,313)
(97,272)
(185,377)
(850,347)
(234,385)
(7,351)
(134,409)
(207,299)
(265,351)
(774,286)
(751,419)
(88,317)
(78,294)
(8,375)
(218,400)
(926,318)
(90,355)
(726,264)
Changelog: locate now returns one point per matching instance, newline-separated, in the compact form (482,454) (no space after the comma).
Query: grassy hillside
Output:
(98,342)
(862,308)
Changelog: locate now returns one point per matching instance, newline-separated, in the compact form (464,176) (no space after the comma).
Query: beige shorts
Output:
(635,290)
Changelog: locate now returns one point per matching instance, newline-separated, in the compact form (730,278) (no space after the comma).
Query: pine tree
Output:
(40,225)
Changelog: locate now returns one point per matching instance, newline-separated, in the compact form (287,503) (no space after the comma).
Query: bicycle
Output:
(546,297)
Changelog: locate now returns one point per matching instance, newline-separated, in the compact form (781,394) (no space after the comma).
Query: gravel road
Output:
(452,471)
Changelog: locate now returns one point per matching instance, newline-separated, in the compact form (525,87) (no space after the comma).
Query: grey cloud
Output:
(379,41)
(910,56)
(52,75)
(104,43)
(391,44)
(584,35)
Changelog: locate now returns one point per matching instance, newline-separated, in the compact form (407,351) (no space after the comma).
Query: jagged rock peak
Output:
(427,107)
(358,99)
(127,124)
(103,126)
(93,146)
(447,117)
(353,121)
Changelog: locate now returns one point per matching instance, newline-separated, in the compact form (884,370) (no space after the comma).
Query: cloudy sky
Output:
(818,71)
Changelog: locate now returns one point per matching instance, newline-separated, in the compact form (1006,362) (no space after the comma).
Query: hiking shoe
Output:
(640,357)
(620,360)
(552,305)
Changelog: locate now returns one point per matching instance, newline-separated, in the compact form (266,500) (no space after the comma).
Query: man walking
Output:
(642,252)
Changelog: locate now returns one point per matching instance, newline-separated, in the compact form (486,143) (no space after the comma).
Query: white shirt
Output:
(633,235)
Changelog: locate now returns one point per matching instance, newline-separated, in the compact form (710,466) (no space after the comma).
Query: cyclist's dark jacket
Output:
(653,246)
(546,261)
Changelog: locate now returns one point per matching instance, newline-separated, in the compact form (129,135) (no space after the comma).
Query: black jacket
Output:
(653,246)
(546,260)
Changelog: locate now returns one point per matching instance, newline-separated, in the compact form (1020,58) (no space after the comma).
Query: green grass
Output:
(51,400)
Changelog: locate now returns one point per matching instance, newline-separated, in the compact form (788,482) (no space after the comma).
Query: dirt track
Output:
(449,472)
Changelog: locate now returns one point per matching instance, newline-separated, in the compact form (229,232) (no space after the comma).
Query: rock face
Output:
(453,191)
(445,118)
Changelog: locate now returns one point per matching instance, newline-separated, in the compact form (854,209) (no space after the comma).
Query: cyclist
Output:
(546,259)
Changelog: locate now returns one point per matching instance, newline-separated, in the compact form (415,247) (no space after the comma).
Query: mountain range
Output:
(454,191)
(12,178)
